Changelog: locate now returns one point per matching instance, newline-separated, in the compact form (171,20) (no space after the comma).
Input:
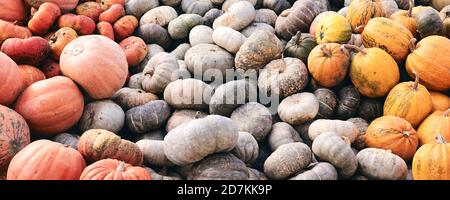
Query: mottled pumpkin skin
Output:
(300,46)
(431,162)
(81,24)
(407,102)
(11,83)
(438,123)
(440,101)
(14,134)
(388,35)
(98,144)
(111,169)
(361,11)
(89,9)
(374,73)
(431,61)
(429,23)
(333,28)
(393,133)
(59,40)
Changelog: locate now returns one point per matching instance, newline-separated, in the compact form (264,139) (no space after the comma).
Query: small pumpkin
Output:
(253,27)
(108,3)
(114,13)
(199,7)
(188,94)
(298,108)
(11,83)
(137,8)
(81,24)
(30,74)
(318,171)
(103,114)
(228,38)
(202,34)
(370,109)
(430,161)
(179,27)
(327,102)
(131,97)
(282,133)
(159,72)
(153,151)
(212,15)
(313,26)
(438,123)
(287,160)
(154,33)
(410,101)
(333,28)
(106,29)
(300,46)
(67,139)
(360,12)
(407,18)
(125,26)
(228,96)
(380,164)
(13,10)
(220,166)
(89,9)
(29,51)
(253,118)
(147,117)
(44,18)
(440,101)
(338,127)
(267,16)
(60,39)
(51,68)
(135,50)
(112,169)
(10,30)
(247,148)
(65,5)
(349,99)
(429,23)
(160,15)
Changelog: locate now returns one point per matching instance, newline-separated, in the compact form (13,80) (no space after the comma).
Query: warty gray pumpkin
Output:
(208,58)
(266,16)
(161,15)
(138,8)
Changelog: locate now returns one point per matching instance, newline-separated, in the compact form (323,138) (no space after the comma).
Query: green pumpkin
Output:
(429,23)
(300,46)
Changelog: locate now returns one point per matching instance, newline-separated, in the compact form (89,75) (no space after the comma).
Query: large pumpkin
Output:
(393,133)
(333,28)
(13,10)
(14,134)
(361,11)
(431,161)
(388,35)
(373,71)
(51,106)
(430,59)
(438,123)
(10,80)
(328,64)
(410,101)
(96,63)
(406,18)
(440,101)
(46,160)
(64,5)
(111,169)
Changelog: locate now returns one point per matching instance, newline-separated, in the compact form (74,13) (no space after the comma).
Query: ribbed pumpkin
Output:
(64,5)
(430,59)
(313,27)
(393,133)
(11,83)
(435,124)
(373,71)
(440,101)
(14,134)
(51,106)
(361,11)
(111,169)
(333,28)
(13,10)
(46,160)
(96,63)
(410,101)
(300,46)
(30,74)
(10,30)
(431,161)
(388,35)
(328,64)
(407,19)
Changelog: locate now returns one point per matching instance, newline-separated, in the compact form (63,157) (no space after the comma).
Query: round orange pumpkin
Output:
(438,123)
(135,49)
(430,59)
(11,83)
(46,160)
(51,106)
(13,10)
(432,161)
(60,39)
(410,101)
(65,5)
(440,101)
(111,169)
(10,30)
(113,13)
(81,24)
(30,75)
(14,135)
(43,19)
(96,63)
(361,11)
(328,64)
(392,133)
(407,18)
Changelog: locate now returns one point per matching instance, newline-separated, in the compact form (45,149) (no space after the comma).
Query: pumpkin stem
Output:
(416,80)
(326,51)
(406,134)
(412,44)
(360,28)
(446,113)
(121,167)
(353,47)
(440,139)
(411,6)
(298,37)
(197,115)
(16,22)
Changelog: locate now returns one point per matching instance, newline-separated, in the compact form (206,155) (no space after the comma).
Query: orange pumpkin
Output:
(436,123)
(81,24)
(105,29)
(44,18)
(373,71)
(65,5)
(410,101)
(111,169)
(46,160)
(440,101)
(30,75)
(10,30)
(407,18)
(13,10)
(51,106)
(30,51)
(430,59)
(108,3)
(14,135)
(96,63)
(114,13)
(51,69)
(89,9)
(432,161)
(135,49)
(60,39)
(392,133)
(125,26)
(11,83)
(328,64)
(361,11)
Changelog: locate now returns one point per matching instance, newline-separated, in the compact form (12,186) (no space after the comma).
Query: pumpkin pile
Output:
(140,89)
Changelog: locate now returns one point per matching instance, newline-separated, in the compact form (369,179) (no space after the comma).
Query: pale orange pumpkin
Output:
(361,11)
(436,123)
(432,161)
(440,101)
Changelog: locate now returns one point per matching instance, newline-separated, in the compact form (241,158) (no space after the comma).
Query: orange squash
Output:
(44,18)
(51,106)
(361,11)
(392,133)
(30,75)
(432,161)
(46,160)
(30,51)
(89,9)
(135,49)
(96,63)
(60,39)
(81,24)
(407,18)
(440,101)
(11,83)
(105,29)
(111,169)
(410,101)
(51,69)
(10,30)
(125,26)
(114,13)
(430,59)
(65,5)
(328,64)
(373,71)
(438,123)
(13,10)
